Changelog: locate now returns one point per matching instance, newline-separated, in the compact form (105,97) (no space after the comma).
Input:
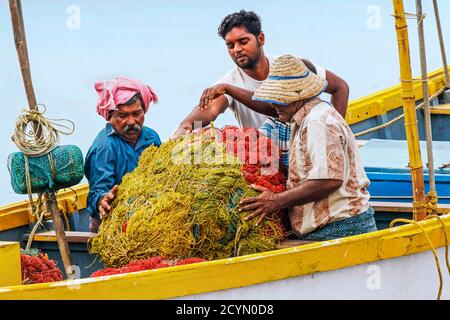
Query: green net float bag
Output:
(60,168)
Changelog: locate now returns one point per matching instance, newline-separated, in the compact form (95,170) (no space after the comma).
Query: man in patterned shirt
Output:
(326,191)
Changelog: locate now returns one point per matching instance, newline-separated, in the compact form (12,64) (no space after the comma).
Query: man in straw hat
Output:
(327,186)
(122,102)
(245,42)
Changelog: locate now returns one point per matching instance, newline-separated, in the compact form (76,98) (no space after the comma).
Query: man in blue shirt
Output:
(116,149)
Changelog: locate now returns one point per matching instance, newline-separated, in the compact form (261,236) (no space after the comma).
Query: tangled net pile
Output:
(147,264)
(38,268)
(181,202)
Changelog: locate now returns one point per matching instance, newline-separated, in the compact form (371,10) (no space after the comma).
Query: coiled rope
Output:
(36,135)
(399,117)
(436,258)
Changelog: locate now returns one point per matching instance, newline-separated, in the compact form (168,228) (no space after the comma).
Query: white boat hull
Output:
(413,277)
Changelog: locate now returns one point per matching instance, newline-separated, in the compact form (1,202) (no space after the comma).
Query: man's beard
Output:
(251,63)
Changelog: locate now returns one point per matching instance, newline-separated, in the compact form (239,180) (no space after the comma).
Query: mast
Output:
(22,51)
(441,43)
(426,99)
(408,100)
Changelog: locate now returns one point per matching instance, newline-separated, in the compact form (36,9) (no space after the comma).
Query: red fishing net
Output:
(147,264)
(259,155)
(39,269)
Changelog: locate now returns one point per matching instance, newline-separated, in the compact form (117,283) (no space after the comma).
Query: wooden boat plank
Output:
(72,236)
(441,109)
(289,243)
(402,207)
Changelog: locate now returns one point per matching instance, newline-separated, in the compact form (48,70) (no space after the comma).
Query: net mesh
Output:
(61,168)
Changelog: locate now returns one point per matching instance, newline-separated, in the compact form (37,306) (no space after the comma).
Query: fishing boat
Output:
(404,261)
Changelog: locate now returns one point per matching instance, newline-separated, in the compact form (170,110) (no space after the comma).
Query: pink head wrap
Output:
(120,90)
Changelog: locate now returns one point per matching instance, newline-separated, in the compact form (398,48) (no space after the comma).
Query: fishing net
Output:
(38,268)
(181,202)
(260,157)
(61,168)
(147,264)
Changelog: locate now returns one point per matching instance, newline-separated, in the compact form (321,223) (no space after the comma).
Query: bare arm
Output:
(213,102)
(242,95)
(337,88)
(268,202)
(203,116)
(339,91)
(309,191)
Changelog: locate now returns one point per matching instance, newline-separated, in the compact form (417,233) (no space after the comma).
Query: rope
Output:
(43,136)
(432,203)
(28,179)
(36,212)
(411,16)
(447,261)
(65,219)
(396,119)
(73,204)
(436,258)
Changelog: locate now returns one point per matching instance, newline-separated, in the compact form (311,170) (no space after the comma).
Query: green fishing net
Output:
(61,168)
(180,202)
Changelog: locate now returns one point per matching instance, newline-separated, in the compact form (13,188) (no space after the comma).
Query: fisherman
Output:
(245,42)
(327,186)
(115,151)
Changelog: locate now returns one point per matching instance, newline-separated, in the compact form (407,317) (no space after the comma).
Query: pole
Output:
(22,51)
(63,245)
(408,100)
(441,43)
(426,98)
(50,199)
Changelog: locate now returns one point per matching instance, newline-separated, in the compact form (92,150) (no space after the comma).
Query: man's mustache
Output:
(134,127)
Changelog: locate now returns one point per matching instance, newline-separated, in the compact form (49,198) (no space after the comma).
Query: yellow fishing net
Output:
(180,202)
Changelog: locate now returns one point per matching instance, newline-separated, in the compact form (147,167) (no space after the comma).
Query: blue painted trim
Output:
(270,101)
(289,77)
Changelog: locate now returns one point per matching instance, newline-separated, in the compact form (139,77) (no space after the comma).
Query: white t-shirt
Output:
(246,117)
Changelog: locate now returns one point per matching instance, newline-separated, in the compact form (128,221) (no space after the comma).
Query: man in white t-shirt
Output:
(245,42)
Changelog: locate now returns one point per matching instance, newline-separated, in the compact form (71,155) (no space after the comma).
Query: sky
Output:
(173,46)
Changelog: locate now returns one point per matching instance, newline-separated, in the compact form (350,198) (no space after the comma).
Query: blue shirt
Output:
(280,133)
(109,158)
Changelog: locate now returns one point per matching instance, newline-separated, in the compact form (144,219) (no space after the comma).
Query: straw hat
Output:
(289,80)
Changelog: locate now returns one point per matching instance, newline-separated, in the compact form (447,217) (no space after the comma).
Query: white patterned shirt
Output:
(322,146)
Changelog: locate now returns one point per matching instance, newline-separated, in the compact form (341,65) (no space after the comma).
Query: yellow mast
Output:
(408,99)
